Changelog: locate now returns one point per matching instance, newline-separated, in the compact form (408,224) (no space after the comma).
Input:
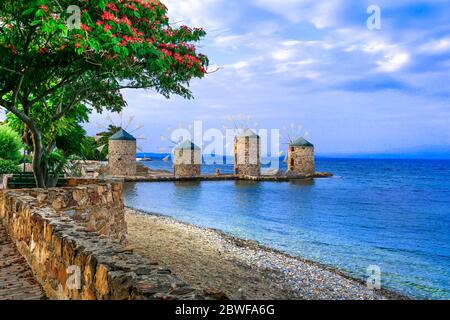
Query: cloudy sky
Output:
(316,64)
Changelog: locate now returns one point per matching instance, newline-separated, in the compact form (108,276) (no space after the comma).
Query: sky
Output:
(317,65)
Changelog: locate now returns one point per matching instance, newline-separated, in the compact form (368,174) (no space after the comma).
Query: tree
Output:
(63,138)
(48,68)
(8,166)
(90,150)
(10,144)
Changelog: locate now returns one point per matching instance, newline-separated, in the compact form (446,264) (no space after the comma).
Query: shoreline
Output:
(216,261)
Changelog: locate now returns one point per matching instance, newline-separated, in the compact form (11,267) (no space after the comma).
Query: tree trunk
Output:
(38,149)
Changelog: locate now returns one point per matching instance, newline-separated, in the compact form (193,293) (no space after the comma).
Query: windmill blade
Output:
(142,137)
(101,148)
(140,149)
(121,118)
(190,127)
(170,129)
(306,133)
(110,120)
(139,127)
(101,126)
(130,120)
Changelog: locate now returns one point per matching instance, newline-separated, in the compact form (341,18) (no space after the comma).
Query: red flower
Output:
(112,7)
(85,27)
(13,49)
(44,7)
(126,21)
(77,45)
(108,16)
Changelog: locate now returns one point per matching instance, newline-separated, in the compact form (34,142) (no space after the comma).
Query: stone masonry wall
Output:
(72,262)
(247,156)
(187,163)
(301,161)
(98,207)
(122,158)
(186,170)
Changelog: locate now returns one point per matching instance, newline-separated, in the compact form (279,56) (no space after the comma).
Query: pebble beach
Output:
(216,262)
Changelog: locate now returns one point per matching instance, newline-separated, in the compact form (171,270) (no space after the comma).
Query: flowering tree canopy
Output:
(58,55)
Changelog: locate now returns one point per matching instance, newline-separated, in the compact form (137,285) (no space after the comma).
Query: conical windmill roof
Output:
(248,133)
(122,135)
(187,145)
(301,142)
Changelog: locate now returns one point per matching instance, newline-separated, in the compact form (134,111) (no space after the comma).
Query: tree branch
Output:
(67,108)
(16,92)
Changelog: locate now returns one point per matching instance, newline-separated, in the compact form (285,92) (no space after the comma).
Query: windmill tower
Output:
(187,159)
(122,154)
(301,158)
(247,154)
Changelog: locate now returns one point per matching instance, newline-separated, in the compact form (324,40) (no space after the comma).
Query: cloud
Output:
(316,62)
(319,13)
(393,62)
(199,13)
(232,41)
(283,54)
(299,69)
(436,46)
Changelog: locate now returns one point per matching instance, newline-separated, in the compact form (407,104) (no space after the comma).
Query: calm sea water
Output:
(391,213)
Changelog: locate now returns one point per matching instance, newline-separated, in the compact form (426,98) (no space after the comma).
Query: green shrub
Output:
(10,144)
(8,166)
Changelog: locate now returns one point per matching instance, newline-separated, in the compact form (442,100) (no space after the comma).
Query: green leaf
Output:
(28,11)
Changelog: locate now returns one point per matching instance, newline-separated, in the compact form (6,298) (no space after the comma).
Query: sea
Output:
(391,216)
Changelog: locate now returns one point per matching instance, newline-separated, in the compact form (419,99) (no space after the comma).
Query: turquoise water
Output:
(391,213)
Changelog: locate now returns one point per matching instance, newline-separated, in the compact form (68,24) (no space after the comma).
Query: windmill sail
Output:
(166,159)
